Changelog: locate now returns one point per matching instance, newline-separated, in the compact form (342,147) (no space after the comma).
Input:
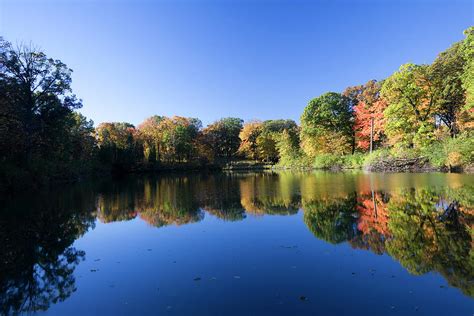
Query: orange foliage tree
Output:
(367,105)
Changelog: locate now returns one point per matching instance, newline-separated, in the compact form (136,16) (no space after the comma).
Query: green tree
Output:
(446,73)
(327,125)
(466,118)
(261,140)
(412,98)
(178,136)
(468,75)
(288,147)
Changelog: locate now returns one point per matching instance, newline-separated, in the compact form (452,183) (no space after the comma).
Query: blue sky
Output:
(212,59)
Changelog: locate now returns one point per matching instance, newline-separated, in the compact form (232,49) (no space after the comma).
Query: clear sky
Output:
(212,59)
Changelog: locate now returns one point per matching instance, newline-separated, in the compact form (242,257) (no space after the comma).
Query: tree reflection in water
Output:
(37,259)
(393,214)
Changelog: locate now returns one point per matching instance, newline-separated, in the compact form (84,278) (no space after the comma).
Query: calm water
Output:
(241,244)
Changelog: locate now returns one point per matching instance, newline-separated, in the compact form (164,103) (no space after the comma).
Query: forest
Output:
(422,111)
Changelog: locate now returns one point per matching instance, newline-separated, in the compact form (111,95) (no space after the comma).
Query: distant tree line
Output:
(418,110)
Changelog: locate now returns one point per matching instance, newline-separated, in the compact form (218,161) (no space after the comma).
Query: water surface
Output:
(241,244)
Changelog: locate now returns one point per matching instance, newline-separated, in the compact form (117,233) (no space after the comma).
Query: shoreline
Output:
(394,165)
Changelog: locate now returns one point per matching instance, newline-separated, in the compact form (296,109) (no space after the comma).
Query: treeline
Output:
(166,141)
(420,110)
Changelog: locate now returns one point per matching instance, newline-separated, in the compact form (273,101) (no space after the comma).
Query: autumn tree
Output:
(223,137)
(267,140)
(118,145)
(248,137)
(368,106)
(150,133)
(272,131)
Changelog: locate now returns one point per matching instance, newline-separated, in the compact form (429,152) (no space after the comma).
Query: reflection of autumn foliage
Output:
(115,208)
(406,225)
(161,201)
(332,220)
(373,213)
(160,218)
(422,243)
(169,201)
(219,195)
(372,240)
(396,220)
(372,222)
(227,214)
(267,193)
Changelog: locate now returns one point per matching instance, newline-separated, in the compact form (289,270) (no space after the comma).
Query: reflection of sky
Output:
(442,205)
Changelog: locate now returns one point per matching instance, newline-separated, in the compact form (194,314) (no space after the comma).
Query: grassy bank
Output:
(453,154)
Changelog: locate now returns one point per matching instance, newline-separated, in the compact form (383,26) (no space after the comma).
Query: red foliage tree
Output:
(367,105)
(364,113)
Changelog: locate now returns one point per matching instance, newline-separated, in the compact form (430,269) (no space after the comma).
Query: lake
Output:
(284,243)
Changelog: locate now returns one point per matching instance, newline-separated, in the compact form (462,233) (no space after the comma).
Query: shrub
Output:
(328,161)
(354,161)
(451,152)
(375,156)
